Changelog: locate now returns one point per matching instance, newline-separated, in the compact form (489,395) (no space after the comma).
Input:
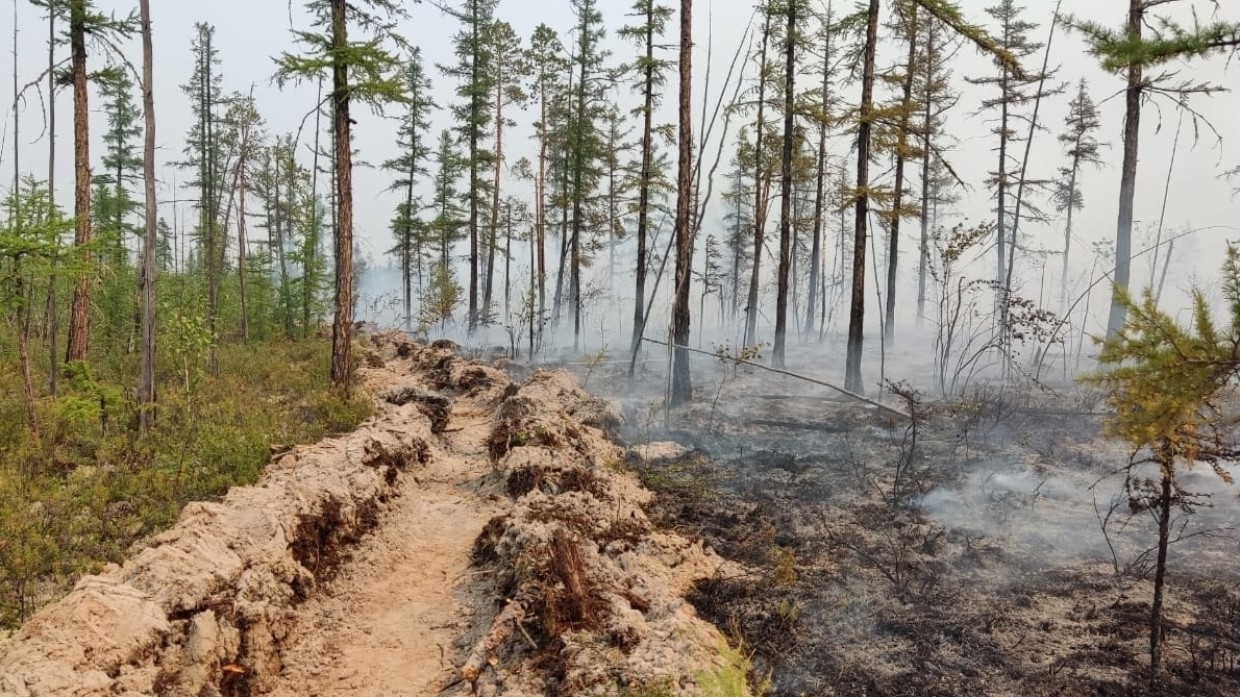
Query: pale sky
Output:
(251,32)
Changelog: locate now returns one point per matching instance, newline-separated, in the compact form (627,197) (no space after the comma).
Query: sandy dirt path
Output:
(386,625)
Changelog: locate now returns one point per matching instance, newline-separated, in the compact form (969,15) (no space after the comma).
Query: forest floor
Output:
(964,557)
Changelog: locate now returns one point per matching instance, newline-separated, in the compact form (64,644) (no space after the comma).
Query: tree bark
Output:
(820,201)
(785,203)
(79,321)
(856,321)
(342,327)
(146,379)
(682,388)
(1128,176)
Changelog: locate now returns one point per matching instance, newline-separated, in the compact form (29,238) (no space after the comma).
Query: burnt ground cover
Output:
(990,551)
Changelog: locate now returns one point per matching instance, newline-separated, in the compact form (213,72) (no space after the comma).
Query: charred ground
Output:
(964,557)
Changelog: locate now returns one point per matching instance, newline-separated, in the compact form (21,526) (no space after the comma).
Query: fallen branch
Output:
(502,628)
(786,373)
(797,425)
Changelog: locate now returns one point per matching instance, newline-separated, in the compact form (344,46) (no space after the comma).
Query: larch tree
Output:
(584,141)
(823,119)
(949,14)
(933,92)
(474,115)
(649,74)
(410,166)
(1134,51)
(908,25)
(365,72)
(1165,385)
(791,36)
(761,179)
(1082,148)
(506,66)
(546,64)
(84,22)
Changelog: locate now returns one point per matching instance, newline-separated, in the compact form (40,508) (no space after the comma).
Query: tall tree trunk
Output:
(927,138)
(146,379)
(282,208)
(1128,176)
(53,306)
(856,321)
(682,387)
(540,207)
(473,176)
(342,327)
(785,204)
(1067,238)
(493,236)
(820,202)
(79,322)
(312,248)
(897,202)
(759,208)
(643,191)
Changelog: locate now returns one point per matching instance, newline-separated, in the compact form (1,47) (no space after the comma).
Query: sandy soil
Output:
(387,624)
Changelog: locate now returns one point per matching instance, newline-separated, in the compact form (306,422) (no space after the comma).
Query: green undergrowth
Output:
(92,489)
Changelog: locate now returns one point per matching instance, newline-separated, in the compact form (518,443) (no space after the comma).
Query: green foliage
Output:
(1168,41)
(1163,380)
(91,492)
(731,678)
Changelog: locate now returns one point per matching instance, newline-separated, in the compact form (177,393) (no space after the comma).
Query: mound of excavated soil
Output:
(475,536)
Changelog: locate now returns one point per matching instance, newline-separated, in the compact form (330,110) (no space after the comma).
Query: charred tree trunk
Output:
(79,320)
(856,321)
(682,388)
(342,327)
(785,203)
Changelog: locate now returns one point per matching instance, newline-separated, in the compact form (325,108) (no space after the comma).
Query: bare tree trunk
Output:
(473,181)
(147,282)
(856,321)
(897,202)
(307,288)
(785,203)
(643,191)
(1128,175)
(342,327)
(682,387)
(53,310)
(493,236)
(927,137)
(79,322)
(815,269)
(759,208)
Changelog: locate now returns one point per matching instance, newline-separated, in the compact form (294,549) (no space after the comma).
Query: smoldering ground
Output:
(973,561)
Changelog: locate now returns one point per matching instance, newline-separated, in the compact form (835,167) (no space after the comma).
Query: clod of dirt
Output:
(600,590)
(436,407)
